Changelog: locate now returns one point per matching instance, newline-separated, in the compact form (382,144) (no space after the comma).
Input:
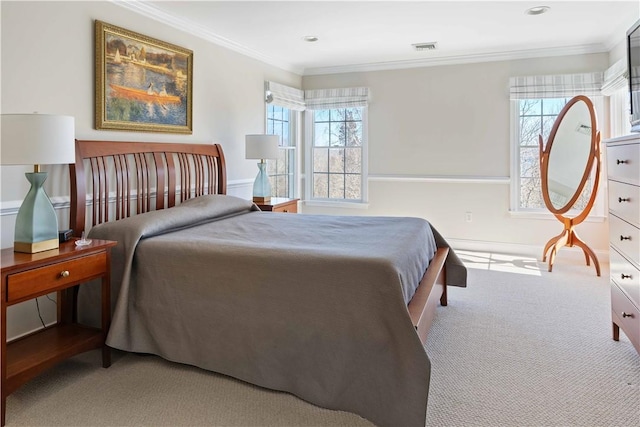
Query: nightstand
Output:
(280,204)
(28,276)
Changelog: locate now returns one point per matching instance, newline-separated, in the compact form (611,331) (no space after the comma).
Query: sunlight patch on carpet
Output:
(517,264)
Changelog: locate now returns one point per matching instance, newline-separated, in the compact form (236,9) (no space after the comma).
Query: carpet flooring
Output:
(518,347)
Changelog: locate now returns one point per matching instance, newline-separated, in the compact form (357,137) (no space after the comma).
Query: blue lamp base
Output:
(262,185)
(36,223)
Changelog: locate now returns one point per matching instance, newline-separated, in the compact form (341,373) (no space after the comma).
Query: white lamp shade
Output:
(261,146)
(37,139)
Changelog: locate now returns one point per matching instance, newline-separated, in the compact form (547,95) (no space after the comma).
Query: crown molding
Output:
(459,59)
(190,27)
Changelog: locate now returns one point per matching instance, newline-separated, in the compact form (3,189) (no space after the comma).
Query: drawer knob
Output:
(622,199)
(625,276)
(625,237)
(64,274)
(626,314)
(620,162)
(285,210)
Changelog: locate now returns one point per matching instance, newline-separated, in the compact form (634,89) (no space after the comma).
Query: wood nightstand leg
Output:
(616,332)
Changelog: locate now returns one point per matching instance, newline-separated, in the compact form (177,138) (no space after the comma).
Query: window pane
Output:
(284,142)
(321,135)
(354,134)
(355,114)
(531,193)
(320,160)
(321,185)
(353,184)
(547,125)
(336,160)
(553,105)
(336,115)
(529,162)
(321,116)
(353,160)
(530,128)
(336,186)
(530,107)
(338,134)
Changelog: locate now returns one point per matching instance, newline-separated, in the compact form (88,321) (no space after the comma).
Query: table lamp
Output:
(261,147)
(35,139)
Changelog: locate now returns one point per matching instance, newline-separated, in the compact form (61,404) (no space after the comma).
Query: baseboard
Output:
(533,251)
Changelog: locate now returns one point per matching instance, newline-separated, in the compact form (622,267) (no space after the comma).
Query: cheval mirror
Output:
(566,164)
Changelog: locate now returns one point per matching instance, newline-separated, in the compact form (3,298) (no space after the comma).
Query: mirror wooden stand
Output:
(575,143)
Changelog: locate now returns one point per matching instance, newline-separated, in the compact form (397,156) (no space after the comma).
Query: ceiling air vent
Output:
(424,46)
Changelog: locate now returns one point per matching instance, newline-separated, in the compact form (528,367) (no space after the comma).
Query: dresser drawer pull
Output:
(625,276)
(622,199)
(625,237)
(621,162)
(64,274)
(626,314)
(285,210)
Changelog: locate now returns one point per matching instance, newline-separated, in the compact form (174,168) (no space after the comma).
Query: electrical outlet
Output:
(468,216)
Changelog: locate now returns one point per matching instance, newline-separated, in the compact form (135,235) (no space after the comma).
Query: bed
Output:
(335,310)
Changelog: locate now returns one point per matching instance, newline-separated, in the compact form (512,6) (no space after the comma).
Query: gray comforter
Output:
(311,305)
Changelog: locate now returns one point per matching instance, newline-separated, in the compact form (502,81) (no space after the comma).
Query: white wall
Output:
(454,120)
(47,66)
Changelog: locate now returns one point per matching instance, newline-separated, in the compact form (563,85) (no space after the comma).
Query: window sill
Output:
(336,204)
(546,215)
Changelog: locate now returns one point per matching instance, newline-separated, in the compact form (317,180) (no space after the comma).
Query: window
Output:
(282,170)
(336,144)
(535,117)
(536,102)
(337,154)
(283,107)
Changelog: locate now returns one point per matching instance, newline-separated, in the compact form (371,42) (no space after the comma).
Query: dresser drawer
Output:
(625,275)
(27,284)
(626,315)
(623,163)
(625,237)
(624,201)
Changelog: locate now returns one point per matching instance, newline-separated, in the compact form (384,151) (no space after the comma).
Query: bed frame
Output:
(112,180)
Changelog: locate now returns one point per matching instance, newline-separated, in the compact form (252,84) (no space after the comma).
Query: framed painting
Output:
(142,84)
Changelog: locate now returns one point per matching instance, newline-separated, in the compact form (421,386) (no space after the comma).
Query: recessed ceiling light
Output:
(310,39)
(537,10)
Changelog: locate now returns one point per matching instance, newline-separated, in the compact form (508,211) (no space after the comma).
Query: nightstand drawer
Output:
(289,208)
(37,281)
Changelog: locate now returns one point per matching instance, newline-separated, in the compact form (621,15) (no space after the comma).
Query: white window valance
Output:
(615,78)
(559,86)
(284,96)
(323,99)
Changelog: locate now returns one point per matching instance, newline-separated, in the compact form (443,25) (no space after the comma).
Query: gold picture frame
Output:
(142,84)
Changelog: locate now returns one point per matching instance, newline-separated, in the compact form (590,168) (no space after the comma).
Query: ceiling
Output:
(371,35)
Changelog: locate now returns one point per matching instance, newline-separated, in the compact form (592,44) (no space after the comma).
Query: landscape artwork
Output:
(142,84)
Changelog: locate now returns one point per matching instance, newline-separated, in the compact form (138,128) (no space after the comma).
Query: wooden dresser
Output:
(623,165)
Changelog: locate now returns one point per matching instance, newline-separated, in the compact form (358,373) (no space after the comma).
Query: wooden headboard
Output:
(122,179)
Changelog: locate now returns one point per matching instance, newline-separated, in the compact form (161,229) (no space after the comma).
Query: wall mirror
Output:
(569,182)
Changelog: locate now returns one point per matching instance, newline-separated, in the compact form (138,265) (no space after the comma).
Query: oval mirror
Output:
(565,166)
(569,155)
